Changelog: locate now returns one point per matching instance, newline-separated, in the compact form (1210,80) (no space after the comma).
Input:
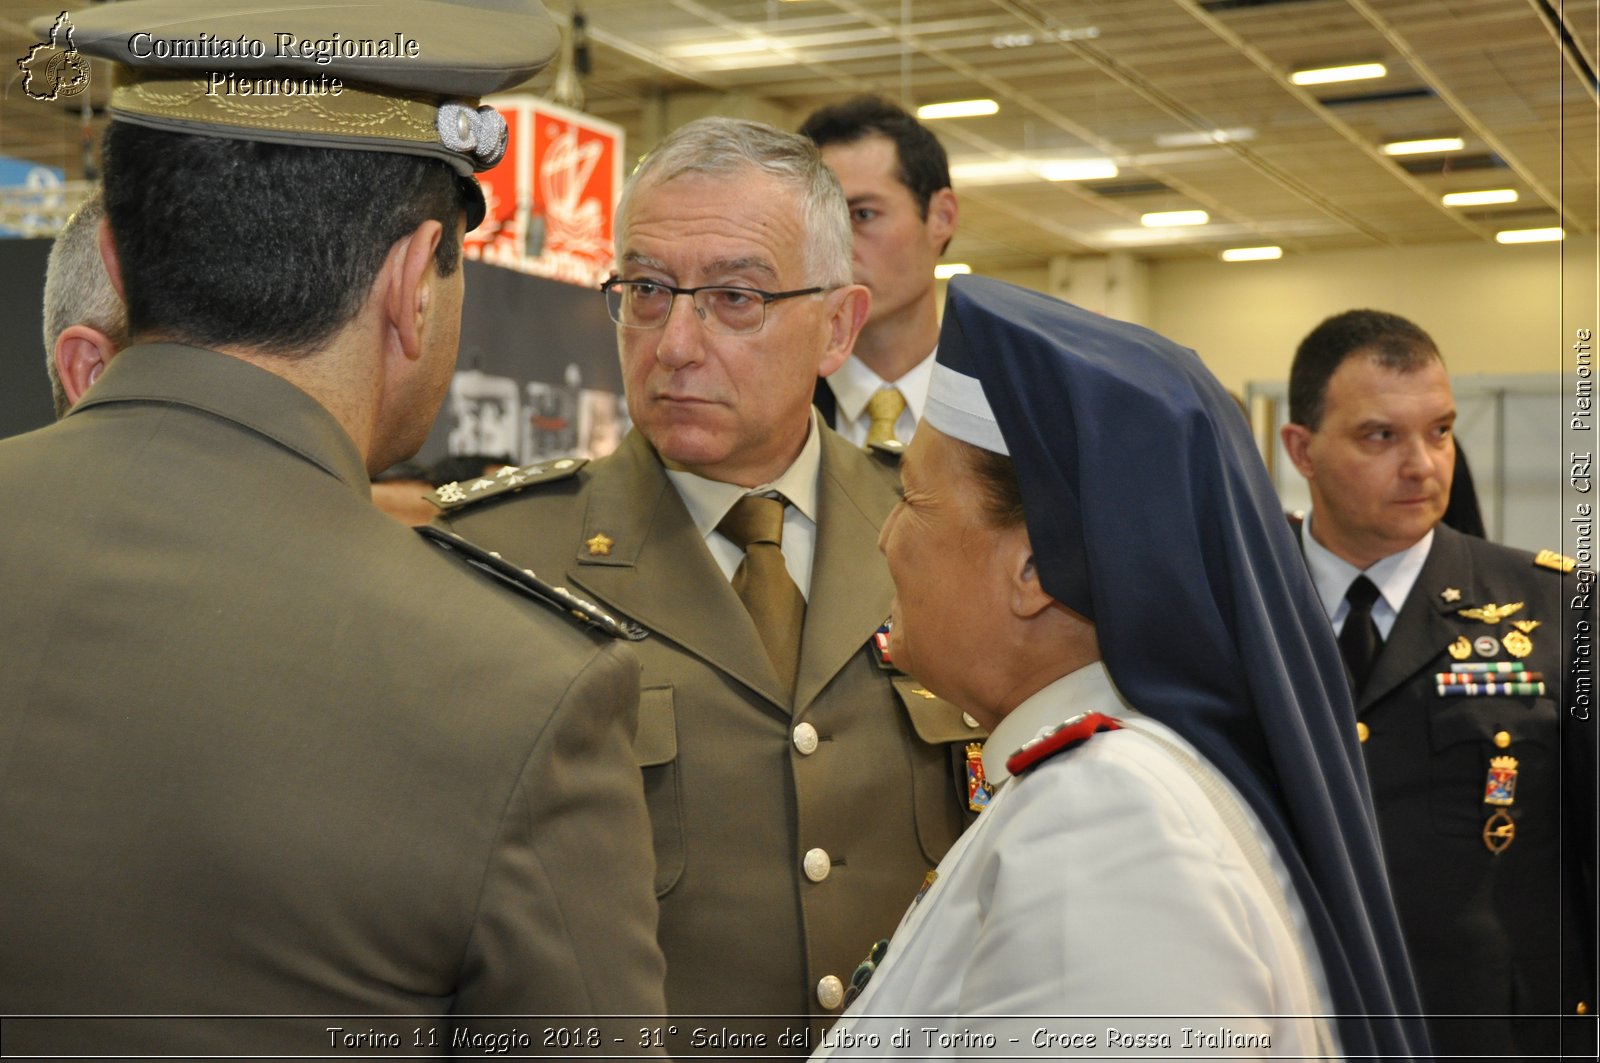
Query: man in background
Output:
(85,323)
(1460,653)
(896,181)
(230,783)
(799,789)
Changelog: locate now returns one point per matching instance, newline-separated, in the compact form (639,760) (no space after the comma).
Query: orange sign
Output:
(552,200)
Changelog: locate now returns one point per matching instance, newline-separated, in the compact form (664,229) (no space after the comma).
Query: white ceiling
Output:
(1145,83)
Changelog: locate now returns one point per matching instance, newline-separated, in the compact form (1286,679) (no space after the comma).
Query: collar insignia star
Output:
(600,545)
(1451,594)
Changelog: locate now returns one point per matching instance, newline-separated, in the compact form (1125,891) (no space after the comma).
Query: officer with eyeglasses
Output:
(799,788)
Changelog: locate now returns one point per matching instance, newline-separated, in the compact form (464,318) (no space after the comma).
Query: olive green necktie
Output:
(762,582)
(884,408)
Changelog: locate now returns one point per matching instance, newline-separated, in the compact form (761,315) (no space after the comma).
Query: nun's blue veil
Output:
(1150,512)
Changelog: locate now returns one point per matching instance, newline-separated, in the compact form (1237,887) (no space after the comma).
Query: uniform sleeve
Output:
(1111,893)
(567,920)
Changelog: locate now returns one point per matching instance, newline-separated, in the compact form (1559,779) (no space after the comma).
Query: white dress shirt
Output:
(854,383)
(1393,576)
(1100,895)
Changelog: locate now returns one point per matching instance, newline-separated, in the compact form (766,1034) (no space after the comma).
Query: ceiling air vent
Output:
(1122,189)
(1235,5)
(1423,166)
(1393,96)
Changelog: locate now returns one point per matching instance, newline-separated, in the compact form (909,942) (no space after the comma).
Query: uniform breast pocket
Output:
(1495,746)
(656,748)
(940,778)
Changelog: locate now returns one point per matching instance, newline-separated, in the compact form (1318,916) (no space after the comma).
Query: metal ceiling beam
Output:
(1465,113)
(1055,118)
(1338,125)
(1168,104)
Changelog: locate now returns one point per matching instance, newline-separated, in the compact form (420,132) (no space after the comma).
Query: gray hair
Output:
(724,146)
(77,290)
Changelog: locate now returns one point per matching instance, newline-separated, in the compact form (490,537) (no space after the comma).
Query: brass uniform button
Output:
(818,864)
(830,992)
(1362,731)
(1583,1007)
(1502,739)
(805,739)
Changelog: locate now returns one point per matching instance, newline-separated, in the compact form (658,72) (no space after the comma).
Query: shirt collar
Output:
(854,382)
(708,501)
(1089,689)
(1393,575)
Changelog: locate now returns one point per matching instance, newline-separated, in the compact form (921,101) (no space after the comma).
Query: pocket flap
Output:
(656,741)
(935,720)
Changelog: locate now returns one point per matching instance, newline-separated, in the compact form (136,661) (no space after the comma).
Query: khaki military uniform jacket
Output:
(265,751)
(788,836)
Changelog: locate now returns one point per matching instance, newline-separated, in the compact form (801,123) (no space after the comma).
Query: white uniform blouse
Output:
(1101,906)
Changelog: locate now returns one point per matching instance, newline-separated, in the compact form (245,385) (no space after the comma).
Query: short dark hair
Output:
(924,167)
(1389,339)
(999,491)
(269,246)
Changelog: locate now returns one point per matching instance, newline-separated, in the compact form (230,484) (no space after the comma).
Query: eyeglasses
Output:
(729,311)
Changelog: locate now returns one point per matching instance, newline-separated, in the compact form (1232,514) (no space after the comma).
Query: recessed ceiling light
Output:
(1020,169)
(1077,170)
(1529,236)
(1328,75)
(1163,219)
(1480,199)
(1423,147)
(1198,140)
(1251,254)
(957,109)
(945,270)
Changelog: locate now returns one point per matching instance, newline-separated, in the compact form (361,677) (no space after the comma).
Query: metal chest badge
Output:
(979,790)
(1500,792)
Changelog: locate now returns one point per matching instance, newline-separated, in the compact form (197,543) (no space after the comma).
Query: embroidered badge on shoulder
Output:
(510,478)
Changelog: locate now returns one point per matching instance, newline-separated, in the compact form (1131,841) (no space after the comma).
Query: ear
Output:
(849,312)
(108,258)
(1028,596)
(406,283)
(943,212)
(80,354)
(1297,441)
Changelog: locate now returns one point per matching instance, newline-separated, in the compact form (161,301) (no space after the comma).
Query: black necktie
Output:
(1358,639)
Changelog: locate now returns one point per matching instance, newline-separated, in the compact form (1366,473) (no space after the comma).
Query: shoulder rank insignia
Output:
(1491,613)
(453,496)
(1074,732)
(526,583)
(1551,559)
